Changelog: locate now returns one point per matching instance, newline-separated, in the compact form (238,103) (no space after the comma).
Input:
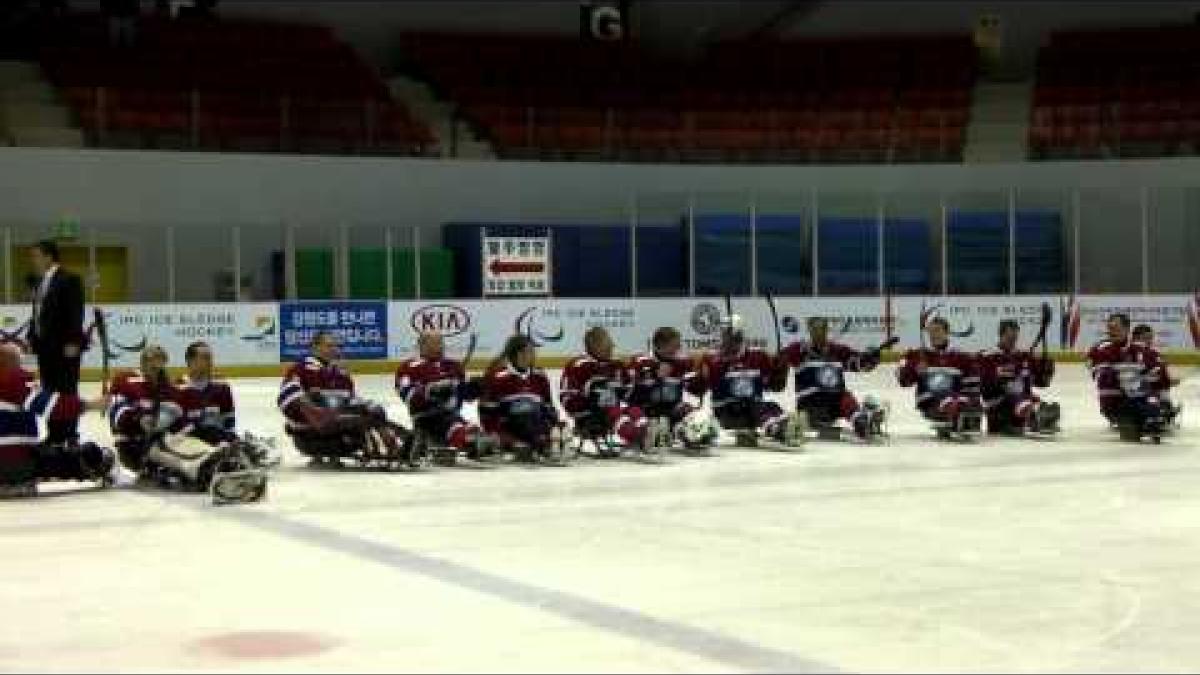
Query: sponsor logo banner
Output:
(1173,318)
(361,328)
(265,333)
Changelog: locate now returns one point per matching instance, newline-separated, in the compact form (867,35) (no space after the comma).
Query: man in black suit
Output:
(56,331)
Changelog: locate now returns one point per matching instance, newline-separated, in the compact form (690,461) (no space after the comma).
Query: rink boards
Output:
(254,338)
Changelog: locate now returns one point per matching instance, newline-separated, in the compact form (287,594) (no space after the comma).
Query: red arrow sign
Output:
(503,267)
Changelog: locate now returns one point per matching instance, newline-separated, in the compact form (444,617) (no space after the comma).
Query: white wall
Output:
(137,193)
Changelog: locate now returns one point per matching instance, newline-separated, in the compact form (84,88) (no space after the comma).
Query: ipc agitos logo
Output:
(446,320)
(528,324)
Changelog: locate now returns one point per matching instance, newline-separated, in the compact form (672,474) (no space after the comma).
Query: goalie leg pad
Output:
(238,487)
(190,459)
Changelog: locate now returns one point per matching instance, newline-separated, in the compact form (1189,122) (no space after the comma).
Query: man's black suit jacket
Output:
(60,321)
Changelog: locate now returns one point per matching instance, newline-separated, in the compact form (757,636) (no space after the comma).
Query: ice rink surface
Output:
(1072,555)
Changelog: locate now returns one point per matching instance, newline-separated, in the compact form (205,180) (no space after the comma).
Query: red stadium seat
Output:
(1138,80)
(216,72)
(752,96)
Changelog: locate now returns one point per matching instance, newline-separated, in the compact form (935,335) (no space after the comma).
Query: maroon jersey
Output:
(743,375)
(207,404)
(318,382)
(430,385)
(821,369)
(945,371)
(661,381)
(1127,369)
(507,389)
(1012,373)
(589,382)
(22,402)
(132,396)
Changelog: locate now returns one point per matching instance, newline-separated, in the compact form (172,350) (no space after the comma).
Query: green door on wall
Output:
(368,274)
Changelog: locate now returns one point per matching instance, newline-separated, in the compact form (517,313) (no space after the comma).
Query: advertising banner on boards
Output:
(360,327)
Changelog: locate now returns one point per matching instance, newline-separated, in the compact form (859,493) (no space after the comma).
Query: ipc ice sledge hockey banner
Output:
(361,328)
(240,334)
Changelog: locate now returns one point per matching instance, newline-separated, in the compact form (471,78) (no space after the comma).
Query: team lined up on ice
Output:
(182,433)
(651,401)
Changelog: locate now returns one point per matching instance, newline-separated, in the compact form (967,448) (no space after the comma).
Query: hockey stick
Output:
(775,323)
(924,318)
(1047,314)
(921,323)
(889,322)
(100,325)
(470,351)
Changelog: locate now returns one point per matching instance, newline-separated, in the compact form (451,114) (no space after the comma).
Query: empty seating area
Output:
(886,99)
(1122,93)
(227,85)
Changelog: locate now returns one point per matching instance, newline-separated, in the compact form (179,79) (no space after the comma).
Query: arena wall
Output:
(136,198)
(255,338)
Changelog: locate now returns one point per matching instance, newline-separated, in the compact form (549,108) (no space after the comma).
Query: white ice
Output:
(1073,555)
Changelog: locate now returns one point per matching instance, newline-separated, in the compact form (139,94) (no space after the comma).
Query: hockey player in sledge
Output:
(209,409)
(26,460)
(434,388)
(517,406)
(155,439)
(1130,380)
(947,384)
(1172,411)
(820,383)
(593,390)
(659,381)
(738,377)
(329,423)
(1008,378)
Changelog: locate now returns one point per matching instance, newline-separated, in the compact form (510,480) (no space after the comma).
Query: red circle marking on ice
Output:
(264,644)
